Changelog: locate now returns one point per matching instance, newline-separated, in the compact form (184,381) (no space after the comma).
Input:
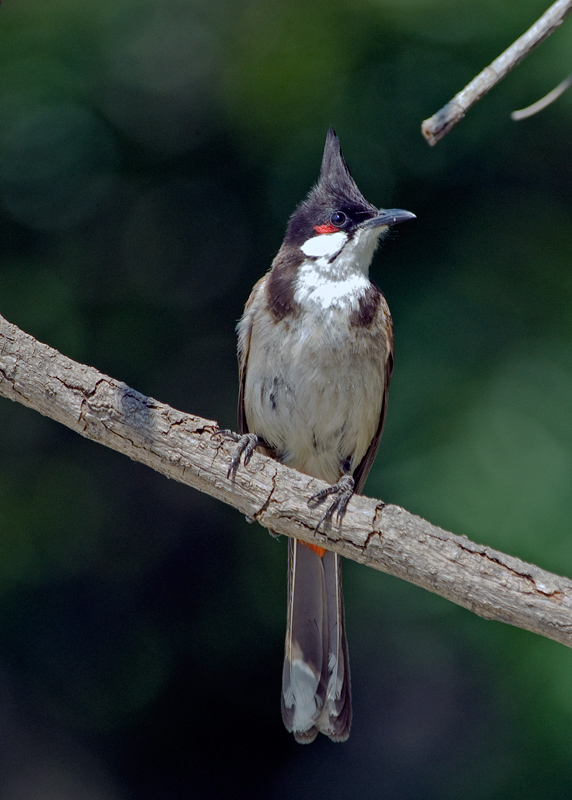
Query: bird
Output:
(315,355)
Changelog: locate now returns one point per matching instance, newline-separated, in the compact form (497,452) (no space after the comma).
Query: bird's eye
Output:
(338,219)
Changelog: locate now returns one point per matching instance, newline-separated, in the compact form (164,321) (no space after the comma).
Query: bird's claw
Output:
(245,447)
(343,490)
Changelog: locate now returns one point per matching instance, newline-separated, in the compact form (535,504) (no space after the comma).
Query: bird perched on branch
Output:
(315,351)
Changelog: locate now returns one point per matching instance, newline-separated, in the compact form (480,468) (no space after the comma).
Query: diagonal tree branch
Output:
(181,446)
(436,127)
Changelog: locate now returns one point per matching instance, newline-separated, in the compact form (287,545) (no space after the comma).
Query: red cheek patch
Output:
(326,228)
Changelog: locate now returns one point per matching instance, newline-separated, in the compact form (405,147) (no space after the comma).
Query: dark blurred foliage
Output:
(150,154)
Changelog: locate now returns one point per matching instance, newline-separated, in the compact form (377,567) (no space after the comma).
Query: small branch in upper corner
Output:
(436,127)
(544,102)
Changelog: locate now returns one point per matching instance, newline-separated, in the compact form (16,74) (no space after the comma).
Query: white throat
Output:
(335,274)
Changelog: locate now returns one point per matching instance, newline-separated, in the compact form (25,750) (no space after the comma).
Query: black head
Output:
(335,203)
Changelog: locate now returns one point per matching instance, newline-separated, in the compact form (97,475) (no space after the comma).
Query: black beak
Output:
(389,216)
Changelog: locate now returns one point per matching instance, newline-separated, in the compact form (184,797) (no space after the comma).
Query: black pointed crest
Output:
(335,176)
(335,190)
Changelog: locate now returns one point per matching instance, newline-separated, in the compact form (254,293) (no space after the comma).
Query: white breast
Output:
(315,288)
(314,384)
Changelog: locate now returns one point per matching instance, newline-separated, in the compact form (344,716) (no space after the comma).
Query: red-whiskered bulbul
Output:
(315,352)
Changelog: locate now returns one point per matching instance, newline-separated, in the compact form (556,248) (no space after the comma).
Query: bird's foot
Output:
(245,447)
(343,491)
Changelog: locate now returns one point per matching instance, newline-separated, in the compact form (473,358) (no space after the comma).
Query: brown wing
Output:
(241,415)
(244,334)
(364,467)
(275,293)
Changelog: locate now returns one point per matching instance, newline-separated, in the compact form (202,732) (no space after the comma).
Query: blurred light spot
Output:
(161,72)
(504,472)
(289,66)
(57,166)
(41,766)
(163,54)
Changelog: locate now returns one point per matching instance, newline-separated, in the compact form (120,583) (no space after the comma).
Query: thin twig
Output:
(544,102)
(436,127)
(181,446)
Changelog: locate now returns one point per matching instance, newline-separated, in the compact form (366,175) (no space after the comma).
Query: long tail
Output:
(316,693)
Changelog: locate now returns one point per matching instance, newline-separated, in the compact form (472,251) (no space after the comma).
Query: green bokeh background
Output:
(150,155)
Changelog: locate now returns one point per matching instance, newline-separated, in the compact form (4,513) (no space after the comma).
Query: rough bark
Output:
(181,446)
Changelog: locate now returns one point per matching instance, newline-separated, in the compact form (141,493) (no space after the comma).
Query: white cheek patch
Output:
(324,245)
